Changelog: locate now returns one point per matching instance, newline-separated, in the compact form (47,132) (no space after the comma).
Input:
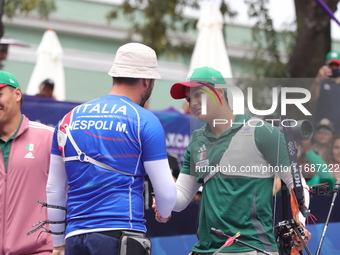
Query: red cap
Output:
(177,90)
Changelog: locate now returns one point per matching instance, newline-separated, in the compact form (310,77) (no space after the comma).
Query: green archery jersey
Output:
(234,199)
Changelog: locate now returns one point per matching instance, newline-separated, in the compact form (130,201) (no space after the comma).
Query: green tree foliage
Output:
(42,7)
(156,20)
(153,19)
(276,54)
(160,18)
(268,60)
(305,47)
(279,54)
(10,8)
(270,53)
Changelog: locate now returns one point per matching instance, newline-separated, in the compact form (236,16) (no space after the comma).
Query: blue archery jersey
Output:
(115,131)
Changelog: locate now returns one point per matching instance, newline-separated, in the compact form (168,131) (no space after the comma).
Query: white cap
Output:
(135,60)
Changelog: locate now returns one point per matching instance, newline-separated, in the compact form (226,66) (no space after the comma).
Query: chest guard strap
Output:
(82,157)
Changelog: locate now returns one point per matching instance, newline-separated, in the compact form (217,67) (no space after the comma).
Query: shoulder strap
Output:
(82,157)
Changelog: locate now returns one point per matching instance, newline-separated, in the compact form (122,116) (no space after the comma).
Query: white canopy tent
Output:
(48,66)
(210,48)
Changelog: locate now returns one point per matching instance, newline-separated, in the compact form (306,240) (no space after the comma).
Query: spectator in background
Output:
(46,89)
(325,91)
(314,168)
(334,156)
(322,137)
(25,159)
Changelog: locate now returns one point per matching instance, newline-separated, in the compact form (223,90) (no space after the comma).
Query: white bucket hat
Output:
(135,60)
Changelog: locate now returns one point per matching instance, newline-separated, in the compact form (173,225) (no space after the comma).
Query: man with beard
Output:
(101,152)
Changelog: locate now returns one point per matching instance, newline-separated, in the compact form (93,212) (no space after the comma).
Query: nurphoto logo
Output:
(238,102)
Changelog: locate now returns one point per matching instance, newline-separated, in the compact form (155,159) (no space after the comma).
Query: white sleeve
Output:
(163,185)
(288,180)
(187,188)
(56,195)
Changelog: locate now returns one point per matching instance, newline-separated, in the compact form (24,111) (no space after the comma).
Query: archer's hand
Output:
(297,242)
(158,217)
(60,250)
(276,185)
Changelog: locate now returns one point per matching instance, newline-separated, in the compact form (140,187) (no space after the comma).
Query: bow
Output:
(296,194)
(295,171)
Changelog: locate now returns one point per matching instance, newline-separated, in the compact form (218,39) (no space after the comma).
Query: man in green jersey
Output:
(234,157)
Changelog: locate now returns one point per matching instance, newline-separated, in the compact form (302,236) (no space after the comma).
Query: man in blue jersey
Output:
(101,152)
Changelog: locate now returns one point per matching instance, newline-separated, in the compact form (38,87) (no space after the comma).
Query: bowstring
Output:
(277,163)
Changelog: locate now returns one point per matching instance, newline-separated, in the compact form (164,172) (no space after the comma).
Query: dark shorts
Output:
(92,244)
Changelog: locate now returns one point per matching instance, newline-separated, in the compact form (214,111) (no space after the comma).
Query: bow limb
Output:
(296,193)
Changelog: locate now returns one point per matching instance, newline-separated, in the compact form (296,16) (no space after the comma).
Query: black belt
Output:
(114,233)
